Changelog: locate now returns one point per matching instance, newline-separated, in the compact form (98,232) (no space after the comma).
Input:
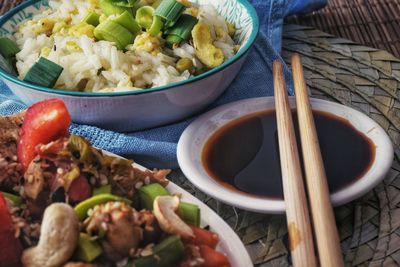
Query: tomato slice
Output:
(10,247)
(204,237)
(79,189)
(44,122)
(213,258)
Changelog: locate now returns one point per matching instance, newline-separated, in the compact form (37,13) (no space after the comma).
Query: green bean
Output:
(88,250)
(166,254)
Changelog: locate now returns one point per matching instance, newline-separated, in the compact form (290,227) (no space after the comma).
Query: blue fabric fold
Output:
(157,147)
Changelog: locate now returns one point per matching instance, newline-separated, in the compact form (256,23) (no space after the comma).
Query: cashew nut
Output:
(58,238)
(164,209)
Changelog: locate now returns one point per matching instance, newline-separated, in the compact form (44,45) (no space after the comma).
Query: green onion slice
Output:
(148,193)
(8,48)
(44,72)
(173,39)
(169,24)
(124,3)
(87,249)
(190,213)
(126,19)
(113,32)
(105,189)
(109,8)
(92,18)
(170,10)
(144,16)
(182,28)
(7,64)
(156,26)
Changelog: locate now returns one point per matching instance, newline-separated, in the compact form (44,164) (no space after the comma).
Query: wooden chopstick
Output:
(325,230)
(301,242)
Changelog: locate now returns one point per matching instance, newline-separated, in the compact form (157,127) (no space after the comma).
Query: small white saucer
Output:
(194,138)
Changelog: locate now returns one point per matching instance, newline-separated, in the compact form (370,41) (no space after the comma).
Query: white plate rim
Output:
(190,146)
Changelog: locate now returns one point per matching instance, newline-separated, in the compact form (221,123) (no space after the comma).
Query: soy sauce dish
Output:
(232,153)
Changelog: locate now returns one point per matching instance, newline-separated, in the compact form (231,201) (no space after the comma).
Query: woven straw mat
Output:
(370,22)
(368,80)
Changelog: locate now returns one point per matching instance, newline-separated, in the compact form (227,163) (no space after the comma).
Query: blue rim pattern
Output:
(249,43)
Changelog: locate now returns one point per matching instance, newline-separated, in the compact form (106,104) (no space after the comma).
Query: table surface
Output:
(358,76)
(370,22)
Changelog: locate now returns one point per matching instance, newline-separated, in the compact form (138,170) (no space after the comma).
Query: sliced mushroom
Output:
(58,238)
(34,180)
(164,209)
(118,221)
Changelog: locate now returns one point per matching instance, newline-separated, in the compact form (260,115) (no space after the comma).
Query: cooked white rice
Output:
(97,66)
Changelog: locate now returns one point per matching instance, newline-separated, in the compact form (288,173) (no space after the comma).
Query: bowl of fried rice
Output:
(125,65)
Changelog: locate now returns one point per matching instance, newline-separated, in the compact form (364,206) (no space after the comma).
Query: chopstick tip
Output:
(277,66)
(296,59)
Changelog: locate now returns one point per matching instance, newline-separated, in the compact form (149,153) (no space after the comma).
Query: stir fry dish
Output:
(66,203)
(119,45)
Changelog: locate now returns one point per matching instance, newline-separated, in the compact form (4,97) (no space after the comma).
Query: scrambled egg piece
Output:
(45,51)
(184,64)
(82,28)
(73,47)
(146,42)
(74,11)
(186,3)
(220,33)
(236,48)
(194,11)
(43,26)
(94,3)
(231,29)
(59,26)
(126,83)
(207,53)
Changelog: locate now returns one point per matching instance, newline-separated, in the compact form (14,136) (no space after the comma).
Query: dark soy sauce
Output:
(244,154)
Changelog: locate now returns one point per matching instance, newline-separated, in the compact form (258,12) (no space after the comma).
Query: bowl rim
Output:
(190,149)
(242,52)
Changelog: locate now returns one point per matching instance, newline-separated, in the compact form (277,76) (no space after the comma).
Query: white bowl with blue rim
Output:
(128,111)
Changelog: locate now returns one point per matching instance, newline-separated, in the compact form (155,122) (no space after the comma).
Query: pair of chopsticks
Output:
(301,243)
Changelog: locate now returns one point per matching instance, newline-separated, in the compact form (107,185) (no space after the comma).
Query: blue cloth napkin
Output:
(157,147)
